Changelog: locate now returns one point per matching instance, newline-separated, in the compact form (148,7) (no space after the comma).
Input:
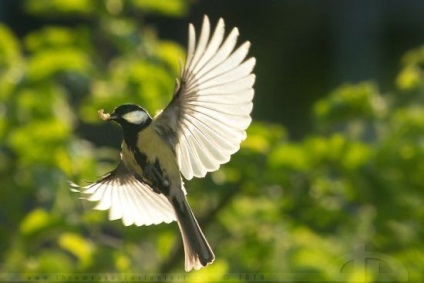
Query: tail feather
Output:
(198,253)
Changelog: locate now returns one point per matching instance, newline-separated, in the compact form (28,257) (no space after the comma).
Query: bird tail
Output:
(198,253)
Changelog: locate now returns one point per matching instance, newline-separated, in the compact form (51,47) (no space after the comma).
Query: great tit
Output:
(198,131)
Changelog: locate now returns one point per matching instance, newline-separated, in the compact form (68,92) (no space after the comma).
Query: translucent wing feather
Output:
(211,108)
(128,199)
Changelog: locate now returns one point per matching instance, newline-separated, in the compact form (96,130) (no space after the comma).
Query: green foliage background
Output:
(283,207)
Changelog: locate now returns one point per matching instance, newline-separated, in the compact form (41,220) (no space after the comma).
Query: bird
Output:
(202,126)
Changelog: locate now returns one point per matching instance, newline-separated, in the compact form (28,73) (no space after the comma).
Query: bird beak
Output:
(106,116)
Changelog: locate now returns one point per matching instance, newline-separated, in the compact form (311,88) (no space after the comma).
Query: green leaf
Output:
(360,101)
(11,63)
(53,37)
(214,273)
(261,137)
(409,78)
(166,7)
(39,141)
(35,221)
(172,54)
(58,7)
(289,155)
(46,63)
(356,155)
(413,57)
(78,246)
(9,47)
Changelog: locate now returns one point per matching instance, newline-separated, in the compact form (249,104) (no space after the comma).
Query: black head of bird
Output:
(128,115)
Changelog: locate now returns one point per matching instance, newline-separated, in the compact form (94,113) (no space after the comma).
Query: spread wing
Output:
(127,198)
(211,107)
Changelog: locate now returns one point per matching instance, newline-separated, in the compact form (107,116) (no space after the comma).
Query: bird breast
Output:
(151,150)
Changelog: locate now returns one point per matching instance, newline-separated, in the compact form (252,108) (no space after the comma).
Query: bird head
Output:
(127,115)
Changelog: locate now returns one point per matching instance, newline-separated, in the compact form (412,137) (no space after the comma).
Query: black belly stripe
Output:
(152,172)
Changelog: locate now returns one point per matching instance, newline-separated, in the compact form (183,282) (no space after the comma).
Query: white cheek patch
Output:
(136,117)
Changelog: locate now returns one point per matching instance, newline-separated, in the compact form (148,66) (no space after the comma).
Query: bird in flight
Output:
(199,130)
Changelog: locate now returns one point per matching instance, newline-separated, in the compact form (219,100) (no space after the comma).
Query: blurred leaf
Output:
(213,273)
(3,126)
(55,37)
(35,221)
(78,246)
(409,118)
(45,102)
(172,54)
(409,78)
(360,274)
(414,56)
(11,62)
(261,137)
(289,156)
(50,259)
(165,242)
(9,47)
(122,32)
(47,63)
(114,7)
(350,101)
(166,7)
(356,155)
(122,262)
(38,141)
(58,7)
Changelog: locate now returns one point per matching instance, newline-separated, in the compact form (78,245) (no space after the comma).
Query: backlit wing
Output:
(211,107)
(127,198)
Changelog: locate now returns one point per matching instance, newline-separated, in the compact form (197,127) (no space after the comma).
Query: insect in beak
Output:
(106,116)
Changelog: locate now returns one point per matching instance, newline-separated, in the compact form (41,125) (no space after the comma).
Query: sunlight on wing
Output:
(211,108)
(128,199)
(216,102)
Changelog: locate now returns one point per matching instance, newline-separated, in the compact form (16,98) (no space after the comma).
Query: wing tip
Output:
(206,19)
(236,31)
